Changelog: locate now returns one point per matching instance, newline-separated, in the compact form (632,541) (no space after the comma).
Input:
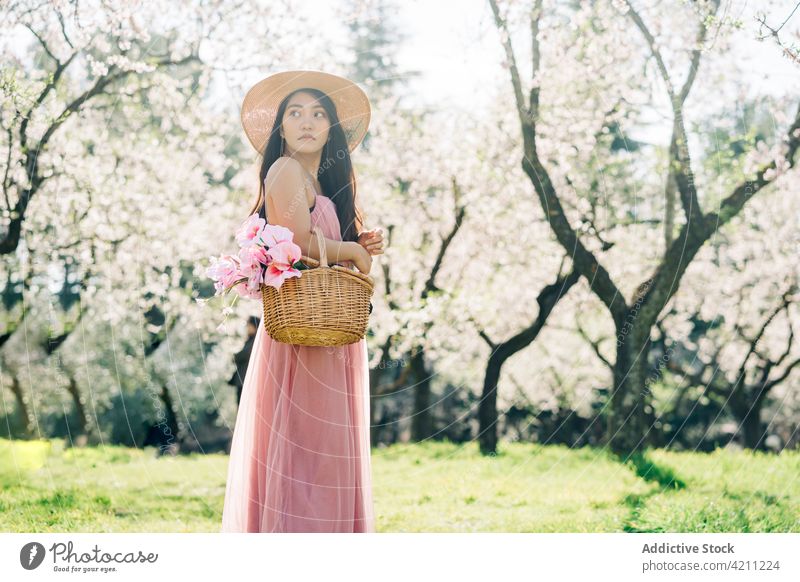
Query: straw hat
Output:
(261,102)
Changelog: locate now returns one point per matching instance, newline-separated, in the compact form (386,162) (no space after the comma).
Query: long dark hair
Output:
(335,173)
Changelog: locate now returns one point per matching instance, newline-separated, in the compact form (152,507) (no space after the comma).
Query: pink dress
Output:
(300,455)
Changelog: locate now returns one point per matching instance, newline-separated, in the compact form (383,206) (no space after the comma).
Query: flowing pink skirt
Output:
(300,455)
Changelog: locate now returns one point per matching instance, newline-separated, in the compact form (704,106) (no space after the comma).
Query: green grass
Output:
(108,489)
(438,487)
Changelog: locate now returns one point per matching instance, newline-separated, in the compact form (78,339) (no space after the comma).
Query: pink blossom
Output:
(284,255)
(224,271)
(250,231)
(252,259)
(273,234)
(275,276)
(266,256)
(250,289)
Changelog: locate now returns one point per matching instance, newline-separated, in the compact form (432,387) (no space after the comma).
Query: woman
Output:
(300,455)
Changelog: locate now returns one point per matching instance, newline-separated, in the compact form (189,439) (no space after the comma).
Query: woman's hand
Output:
(372,241)
(362,259)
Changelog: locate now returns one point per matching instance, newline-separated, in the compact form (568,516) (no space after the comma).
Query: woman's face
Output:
(305,116)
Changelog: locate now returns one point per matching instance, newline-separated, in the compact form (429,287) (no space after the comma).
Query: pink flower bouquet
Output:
(266,255)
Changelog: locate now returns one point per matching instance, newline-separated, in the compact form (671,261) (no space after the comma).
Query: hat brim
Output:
(260,105)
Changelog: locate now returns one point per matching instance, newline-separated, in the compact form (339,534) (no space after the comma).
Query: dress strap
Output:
(310,182)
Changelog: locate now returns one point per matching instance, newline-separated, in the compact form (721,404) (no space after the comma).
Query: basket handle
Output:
(323,252)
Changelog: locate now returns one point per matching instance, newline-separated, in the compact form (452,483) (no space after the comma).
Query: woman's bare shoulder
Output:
(285,169)
(285,177)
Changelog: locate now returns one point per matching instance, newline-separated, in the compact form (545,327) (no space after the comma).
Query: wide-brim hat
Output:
(260,105)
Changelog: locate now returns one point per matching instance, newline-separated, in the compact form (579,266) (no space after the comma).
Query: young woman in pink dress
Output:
(300,455)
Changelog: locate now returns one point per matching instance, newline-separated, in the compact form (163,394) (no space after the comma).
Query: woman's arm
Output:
(336,250)
(284,184)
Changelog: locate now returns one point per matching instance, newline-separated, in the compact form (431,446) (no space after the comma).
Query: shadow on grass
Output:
(650,471)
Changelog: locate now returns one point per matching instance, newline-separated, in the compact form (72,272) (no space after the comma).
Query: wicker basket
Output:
(324,306)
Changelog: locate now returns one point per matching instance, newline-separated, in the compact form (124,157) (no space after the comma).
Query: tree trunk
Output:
(80,411)
(547,299)
(421,421)
(626,430)
(670,195)
(16,389)
(747,409)
(374,379)
(753,429)
(168,425)
(487,410)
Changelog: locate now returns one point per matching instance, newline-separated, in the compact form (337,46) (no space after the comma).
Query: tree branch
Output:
(526,116)
(594,344)
(680,166)
(731,205)
(459,211)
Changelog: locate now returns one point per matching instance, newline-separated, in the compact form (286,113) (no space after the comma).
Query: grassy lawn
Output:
(417,487)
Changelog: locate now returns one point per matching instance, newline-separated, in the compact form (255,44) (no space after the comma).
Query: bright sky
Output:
(455,45)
